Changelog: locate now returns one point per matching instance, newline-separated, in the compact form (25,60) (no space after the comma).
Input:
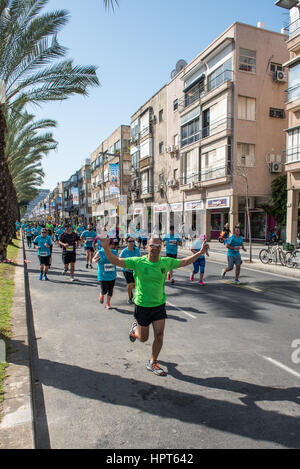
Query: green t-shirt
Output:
(150,278)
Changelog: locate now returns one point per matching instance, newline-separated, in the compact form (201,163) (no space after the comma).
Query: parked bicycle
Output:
(293,259)
(273,254)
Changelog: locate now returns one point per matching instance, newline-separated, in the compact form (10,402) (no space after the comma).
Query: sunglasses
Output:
(158,246)
(130,241)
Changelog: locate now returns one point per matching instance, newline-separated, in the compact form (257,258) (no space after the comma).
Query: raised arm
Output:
(105,243)
(189,260)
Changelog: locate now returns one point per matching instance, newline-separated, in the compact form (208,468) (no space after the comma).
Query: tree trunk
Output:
(8,196)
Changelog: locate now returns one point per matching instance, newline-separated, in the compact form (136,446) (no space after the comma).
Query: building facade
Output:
(110,175)
(292,152)
(225,121)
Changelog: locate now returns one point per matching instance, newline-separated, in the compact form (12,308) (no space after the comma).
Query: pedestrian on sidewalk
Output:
(150,273)
(107,273)
(234,245)
(199,264)
(43,243)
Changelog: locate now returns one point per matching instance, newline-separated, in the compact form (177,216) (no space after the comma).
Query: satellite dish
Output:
(173,74)
(180,65)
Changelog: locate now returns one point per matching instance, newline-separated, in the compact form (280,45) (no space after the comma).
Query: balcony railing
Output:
(293,93)
(293,29)
(211,84)
(292,155)
(214,128)
(205,175)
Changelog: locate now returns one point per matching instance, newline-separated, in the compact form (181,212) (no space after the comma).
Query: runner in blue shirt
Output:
(29,235)
(107,274)
(130,251)
(172,241)
(234,244)
(88,237)
(43,243)
(199,264)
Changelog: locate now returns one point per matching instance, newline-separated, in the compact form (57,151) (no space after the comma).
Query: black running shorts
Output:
(145,316)
(107,286)
(129,277)
(69,258)
(44,260)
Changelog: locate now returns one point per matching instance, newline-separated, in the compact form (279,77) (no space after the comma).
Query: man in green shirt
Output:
(150,273)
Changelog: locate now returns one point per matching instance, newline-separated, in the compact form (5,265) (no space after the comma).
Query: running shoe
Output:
(172,281)
(91,266)
(129,301)
(41,276)
(191,277)
(86,266)
(223,273)
(65,272)
(132,337)
(45,277)
(201,283)
(168,276)
(72,278)
(155,368)
(101,299)
(107,306)
(237,282)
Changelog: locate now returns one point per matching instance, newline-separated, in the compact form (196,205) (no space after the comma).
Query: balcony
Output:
(193,96)
(210,176)
(221,125)
(293,98)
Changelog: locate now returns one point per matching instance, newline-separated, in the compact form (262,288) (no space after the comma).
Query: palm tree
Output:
(25,148)
(32,70)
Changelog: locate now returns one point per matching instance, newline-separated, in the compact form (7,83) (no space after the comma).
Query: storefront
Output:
(218,210)
(194,217)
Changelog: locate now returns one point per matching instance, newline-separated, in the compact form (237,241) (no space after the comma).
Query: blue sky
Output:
(135,49)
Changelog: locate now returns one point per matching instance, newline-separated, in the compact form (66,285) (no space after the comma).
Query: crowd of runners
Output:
(145,275)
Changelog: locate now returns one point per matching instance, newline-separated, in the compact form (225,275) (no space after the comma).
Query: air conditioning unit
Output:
(280,76)
(275,167)
(191,185)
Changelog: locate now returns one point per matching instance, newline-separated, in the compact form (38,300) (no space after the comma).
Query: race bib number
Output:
(44,254)
(109,268)
(70,248)
(89,239)
(173,242)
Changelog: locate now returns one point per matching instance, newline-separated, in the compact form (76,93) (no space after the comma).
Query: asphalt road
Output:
(231,380)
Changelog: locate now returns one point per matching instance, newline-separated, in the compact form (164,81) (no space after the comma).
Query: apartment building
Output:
(85,193)
(225,119)
(110,175)
(292,152)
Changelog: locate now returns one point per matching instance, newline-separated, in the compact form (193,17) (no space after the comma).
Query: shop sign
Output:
(161,208)
(176,207)
(223,202)
(194,205)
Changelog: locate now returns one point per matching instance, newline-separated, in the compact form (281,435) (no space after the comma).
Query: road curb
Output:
(16,427)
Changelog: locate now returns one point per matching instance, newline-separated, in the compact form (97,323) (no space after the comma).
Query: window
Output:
(117,148)
(247,61)
(135,158)
(161,148)
(190,132)
(161,115)
(276,68)
(190,166)
(205,123)
(246,155)
(293,146)
(294,83)
(220,76)
(175,104)
(246,108)
(145,176)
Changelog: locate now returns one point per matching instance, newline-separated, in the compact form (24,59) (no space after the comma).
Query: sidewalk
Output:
(218,253)
(16,427)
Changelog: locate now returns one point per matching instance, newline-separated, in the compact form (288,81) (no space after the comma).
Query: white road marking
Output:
(246,287)
(182,310)
(282,366)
